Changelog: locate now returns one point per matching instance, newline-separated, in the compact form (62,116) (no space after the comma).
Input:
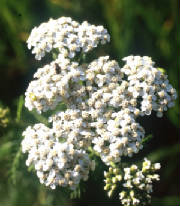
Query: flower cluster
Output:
(119,136)
(102,102)
(66,35)
(137,183)
(54,83)
(56,162)
(98,92)
(71,127)
(148,84)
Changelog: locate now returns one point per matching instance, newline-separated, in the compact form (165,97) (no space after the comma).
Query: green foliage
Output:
(147,139)
(6,148)
(75,194)
(19,108)
(164,152)
(167,201)
(15,165)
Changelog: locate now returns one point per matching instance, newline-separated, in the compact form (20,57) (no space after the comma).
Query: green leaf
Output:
(166,201)
(173,114)
(147,139)
(39,117)
(19,108)
(164,152)
(5,149)
(15,165)
(76,193)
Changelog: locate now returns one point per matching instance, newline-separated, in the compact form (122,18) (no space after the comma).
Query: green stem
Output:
(82,58)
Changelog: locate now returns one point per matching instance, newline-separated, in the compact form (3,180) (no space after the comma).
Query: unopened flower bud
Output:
(119,177)
(108,180)
(162,70)
(107,187)
(157,166)
(113,187)
(114,179)
(122,195)
(111,170)
(110,193)
(131,193)
(116,171)
(133,168)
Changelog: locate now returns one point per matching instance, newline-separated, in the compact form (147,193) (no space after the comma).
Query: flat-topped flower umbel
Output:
(68,36)
(102,102)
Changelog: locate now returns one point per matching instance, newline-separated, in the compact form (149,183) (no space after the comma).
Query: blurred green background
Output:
(136,27)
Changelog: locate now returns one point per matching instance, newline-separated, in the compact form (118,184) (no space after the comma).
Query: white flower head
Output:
(102,102)
(56,163)
(66,35)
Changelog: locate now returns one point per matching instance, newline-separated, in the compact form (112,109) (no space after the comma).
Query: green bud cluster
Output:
(4,120)
(137,183)
(112,178)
